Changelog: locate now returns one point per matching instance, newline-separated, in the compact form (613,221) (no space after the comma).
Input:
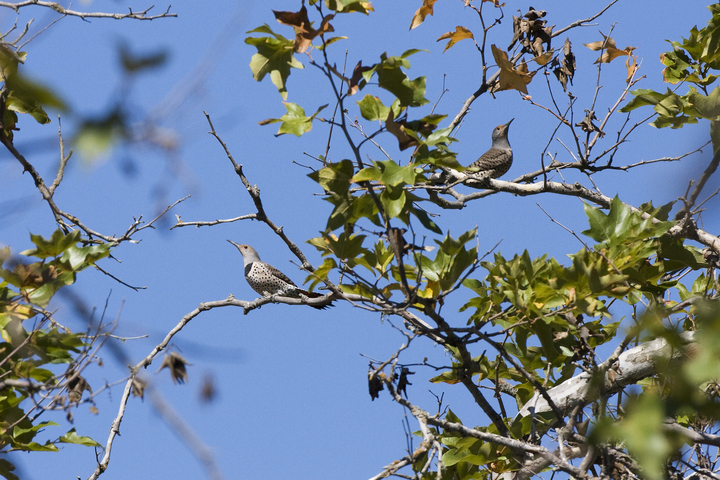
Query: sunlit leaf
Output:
(422,12)
(460,33)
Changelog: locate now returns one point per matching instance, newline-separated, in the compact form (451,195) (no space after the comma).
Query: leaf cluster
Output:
(691,61)
(26,355)
(542,318)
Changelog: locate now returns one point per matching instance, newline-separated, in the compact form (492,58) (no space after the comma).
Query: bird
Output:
(496,161)
(268,281)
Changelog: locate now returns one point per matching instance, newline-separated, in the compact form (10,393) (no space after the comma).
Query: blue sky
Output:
(292,384)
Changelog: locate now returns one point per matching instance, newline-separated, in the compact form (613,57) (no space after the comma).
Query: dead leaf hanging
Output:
(304,32)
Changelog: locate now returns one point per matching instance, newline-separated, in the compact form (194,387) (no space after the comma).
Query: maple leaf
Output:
(304,32)
(422,12)
(398,129)
(460,33)
(511,78)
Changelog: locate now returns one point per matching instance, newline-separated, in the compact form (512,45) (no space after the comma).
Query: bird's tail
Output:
(315,295)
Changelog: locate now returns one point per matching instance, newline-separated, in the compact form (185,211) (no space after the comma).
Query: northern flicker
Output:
(496,161)
(268,280)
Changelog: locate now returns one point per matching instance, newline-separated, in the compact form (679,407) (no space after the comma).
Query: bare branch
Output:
(180,223)
(143,15)
(579,23)
(254,192)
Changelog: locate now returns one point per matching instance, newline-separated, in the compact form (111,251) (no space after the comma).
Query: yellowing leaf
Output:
(422,12)
(632,66)
(511,78)
(432,290)
(460,33)
(543,59)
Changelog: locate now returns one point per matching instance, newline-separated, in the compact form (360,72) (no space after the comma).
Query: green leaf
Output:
(368,174)
(621,224)
(4,255)
(330,41)
(96,136)
(708,106)
(372,108)
(335,177)
(42,295)
(347,6)
(26,96)
(294,121)
(134,63)
(274,56)
(393,174)
(393,201)
(642,98)
(643,433)
(18,431)
(426,221)
(451,417)
(73,437)
(35,447)
(715,135)
(449,377)
(56,245)
(321,272)
(342,213)
(80,258)
(439,136)
(365,207)
(439,157)
(410,93)
(346,246)
(6,469)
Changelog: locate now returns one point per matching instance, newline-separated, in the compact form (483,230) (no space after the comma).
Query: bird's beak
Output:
(508,124)
(236,244)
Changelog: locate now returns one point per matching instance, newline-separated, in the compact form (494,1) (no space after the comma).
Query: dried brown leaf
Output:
(587,124)
(76,387)
(403,380)
(632,66)
(566,70)
(405,141)
(533,14)
(375,385)
(611,52)
(304,32)
(544,58)
(354,82)
(208,391)
(176,363)
(138,387)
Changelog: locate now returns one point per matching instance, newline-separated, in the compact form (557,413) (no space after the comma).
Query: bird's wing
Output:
(277,273)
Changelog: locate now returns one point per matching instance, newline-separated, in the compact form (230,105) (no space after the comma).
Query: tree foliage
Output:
(601,364)
(531,328)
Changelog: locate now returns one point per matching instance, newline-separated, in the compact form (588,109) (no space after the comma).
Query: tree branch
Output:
(64,11)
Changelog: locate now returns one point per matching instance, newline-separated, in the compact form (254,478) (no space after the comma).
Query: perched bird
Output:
(496,161)
(268,280)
